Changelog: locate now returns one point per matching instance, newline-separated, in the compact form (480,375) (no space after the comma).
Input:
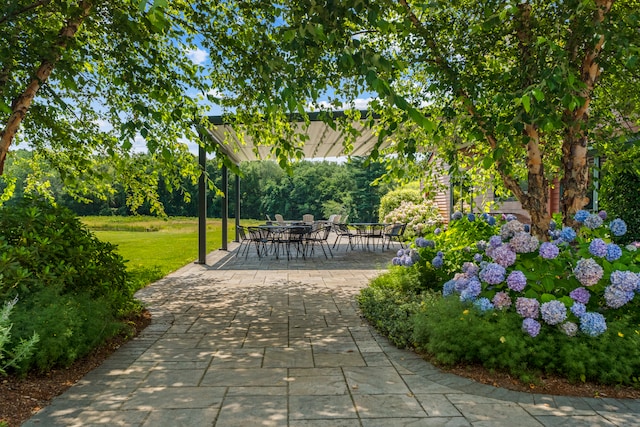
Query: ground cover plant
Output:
(564,307)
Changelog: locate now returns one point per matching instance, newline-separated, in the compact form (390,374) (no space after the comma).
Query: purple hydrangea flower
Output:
(495,241)
(483,304)
(580,295)
(462,281)
(568,234)
(516,281)
(616,297)
(501,300)
(524,243)
(527,307)
(531,327)
(588,272)
(581,215)
(613,252)
(578,309)
(456,215)
(508,230)
(470,269)
(549,250)
(593,221)
(493,273)
(593,324)
(481,245)
(477,257)
(618,227)
(552,225)
(437,231)
(602,214)
(510,217)
(627,280)
(504,255)
(553,312)
(569,328)
(598,247)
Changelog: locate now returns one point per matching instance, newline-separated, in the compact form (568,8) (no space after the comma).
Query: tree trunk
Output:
(22,103)
(575,178)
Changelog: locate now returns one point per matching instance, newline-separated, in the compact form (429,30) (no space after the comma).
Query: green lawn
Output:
(154,247)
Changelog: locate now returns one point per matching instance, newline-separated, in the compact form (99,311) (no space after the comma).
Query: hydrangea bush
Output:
(574,282)
(419,217)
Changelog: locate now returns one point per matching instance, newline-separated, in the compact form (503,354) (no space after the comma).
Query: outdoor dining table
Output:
(283,236)
(366,233)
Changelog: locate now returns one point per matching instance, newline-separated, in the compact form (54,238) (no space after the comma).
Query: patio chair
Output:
(307,219)
(244,239)
(280,219)
(393,232)
(342,230)
(319,237)
(296,236)
(260,238)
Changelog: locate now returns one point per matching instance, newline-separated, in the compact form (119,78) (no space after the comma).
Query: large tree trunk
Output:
(22,103)
(536,201)
(575,178)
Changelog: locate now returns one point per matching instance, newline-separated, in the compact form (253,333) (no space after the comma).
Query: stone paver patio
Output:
(265,342)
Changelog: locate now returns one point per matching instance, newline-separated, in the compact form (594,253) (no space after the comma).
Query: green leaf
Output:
(526,102)
(538,94)
(487,162)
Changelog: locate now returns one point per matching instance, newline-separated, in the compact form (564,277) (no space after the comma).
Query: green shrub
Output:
(22,350)
(619,194)
(455,332)
(73,288)
(393,199)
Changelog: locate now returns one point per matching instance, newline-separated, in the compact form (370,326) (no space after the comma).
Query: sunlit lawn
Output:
(154,247)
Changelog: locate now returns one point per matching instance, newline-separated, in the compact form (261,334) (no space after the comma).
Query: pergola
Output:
(323,142)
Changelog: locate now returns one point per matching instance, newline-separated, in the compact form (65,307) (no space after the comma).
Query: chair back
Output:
(336,219)
(242,233)
(279,219)
(307,218)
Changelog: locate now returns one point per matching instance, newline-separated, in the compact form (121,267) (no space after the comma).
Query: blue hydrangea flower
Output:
(414,255)
(618,227)
(602,214)
(516,281)
(400,253)
(524,242)
(588,272)
(472,291)
(593,324)
(470,269)
(448,288)
(456,215)
(598,247)
(580,295)
(510,217)
(481,245)
(437,231)
(477,257)
(593,221)
(483,304)
(437,262)
(568,234)
(578,309)
(527,228)
(613,252)
(527,307)
(471,217)
(552,225)
(581,215)
(493,273)
(627,280)
(553,312)
(491,220)
(531,327)
(549,250)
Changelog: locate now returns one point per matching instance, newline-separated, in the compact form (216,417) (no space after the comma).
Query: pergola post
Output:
(202,206)
(225,207)
(237,207)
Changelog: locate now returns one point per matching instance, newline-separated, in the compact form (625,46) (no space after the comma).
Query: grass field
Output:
(154,247)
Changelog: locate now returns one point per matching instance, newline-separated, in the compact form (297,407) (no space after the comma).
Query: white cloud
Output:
(197,56)
(361,104)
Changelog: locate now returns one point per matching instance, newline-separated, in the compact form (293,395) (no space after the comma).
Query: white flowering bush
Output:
(419,217)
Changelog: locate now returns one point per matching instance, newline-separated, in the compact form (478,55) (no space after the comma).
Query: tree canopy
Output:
(514,89)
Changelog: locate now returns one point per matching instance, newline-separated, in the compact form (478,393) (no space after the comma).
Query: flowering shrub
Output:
(575,282)
(419,217)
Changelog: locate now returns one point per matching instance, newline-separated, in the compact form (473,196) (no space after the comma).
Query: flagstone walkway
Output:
(264,342)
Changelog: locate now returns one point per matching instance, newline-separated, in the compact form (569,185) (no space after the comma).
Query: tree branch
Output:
(22,103)
(27,8)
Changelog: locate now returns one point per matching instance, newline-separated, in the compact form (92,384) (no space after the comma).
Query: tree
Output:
(68,66)
(519,87)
